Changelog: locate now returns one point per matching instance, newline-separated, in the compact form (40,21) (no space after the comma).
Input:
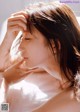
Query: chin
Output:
(32,65)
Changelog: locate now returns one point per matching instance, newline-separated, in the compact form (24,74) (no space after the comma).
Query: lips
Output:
(23,55)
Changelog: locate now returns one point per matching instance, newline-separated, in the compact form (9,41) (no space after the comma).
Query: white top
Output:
(33,91)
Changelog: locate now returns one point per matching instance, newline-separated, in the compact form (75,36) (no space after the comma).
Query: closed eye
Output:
(27,38)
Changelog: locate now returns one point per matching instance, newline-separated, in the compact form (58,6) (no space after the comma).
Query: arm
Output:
(3,89)
(15,23)
(11,75)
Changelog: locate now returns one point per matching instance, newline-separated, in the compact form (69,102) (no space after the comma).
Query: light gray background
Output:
(7,7)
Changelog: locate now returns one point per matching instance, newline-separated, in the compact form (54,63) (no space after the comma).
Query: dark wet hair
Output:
(58,23)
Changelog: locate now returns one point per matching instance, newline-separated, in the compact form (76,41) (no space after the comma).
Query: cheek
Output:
(38,54)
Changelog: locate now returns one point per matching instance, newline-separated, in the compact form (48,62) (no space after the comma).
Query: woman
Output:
(50,65)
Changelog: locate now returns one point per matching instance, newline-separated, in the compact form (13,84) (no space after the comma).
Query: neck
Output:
(54,71)
(52,67)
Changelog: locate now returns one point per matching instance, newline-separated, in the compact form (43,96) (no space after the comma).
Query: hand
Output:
(17,22)
(15,73)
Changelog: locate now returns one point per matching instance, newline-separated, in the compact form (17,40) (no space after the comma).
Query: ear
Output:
(54,47)
(59,45)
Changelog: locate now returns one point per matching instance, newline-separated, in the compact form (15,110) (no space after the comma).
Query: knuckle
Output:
(8,20)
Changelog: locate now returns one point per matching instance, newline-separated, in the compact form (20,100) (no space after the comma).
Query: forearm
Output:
(6,43)
(4,55)
(3,89)
(4,61)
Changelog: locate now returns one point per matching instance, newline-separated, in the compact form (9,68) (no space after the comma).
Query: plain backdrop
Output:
(7,7)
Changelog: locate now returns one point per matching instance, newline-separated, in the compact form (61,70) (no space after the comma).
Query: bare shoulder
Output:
(64,102)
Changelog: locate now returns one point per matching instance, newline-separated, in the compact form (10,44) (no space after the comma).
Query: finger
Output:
(26,73)
(18,17)
(24,13)
(16,28)
(28,69)
(18,23)
(19,63)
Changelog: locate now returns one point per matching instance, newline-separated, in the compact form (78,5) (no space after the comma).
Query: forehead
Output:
(37,34)
(34,33)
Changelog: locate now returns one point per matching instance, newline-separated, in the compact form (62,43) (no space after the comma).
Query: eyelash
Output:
(27,38)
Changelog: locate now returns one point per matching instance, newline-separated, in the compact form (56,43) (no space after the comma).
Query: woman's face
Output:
(34,49)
